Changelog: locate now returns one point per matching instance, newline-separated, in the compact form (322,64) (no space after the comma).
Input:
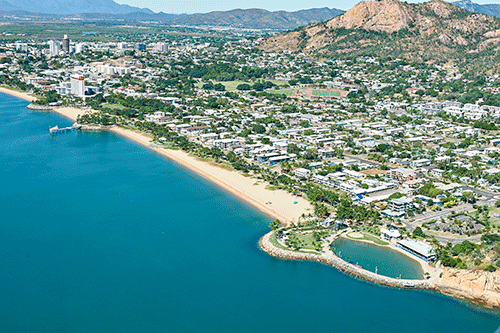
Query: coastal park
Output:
(364,252)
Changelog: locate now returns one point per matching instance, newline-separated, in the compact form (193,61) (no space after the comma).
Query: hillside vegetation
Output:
(435,32)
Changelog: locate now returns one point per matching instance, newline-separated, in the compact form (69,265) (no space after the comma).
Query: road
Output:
(429,216)
(412,224)
(360,159)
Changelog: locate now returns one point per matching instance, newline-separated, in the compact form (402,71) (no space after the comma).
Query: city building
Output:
(301,173)
(389,234)
(161,47)
(401,205)
(77,86)
(65,44)
(54,48)
(139,46)
(79,48)
(420,163)
(418,248)
(403,174)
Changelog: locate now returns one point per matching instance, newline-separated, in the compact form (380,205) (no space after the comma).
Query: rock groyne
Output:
(40,107)
(478,287)
(331,259)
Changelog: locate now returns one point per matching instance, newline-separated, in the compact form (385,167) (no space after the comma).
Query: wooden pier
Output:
(56,130)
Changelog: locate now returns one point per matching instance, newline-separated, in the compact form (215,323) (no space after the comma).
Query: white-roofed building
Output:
(418,248)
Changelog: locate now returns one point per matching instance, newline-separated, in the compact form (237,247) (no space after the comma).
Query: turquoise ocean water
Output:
(98,234)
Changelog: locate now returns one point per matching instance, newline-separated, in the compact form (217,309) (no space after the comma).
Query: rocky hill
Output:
(260,18)
(491,9)
(435,31)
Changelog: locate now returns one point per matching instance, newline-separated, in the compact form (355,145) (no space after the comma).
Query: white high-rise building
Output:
(79,48)
(122,45)
(23,47)
(112,70)
(77,85)
(54,47)
(161,47)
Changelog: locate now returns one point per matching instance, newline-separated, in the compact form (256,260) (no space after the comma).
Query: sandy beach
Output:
(19,94)
(281,206)
(69,112)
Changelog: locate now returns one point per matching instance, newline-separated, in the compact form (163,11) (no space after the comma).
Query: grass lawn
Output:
(370,238)
(374,239)
(307,240)
(287,92)
(231,85)
(113,106)
(274,241)
(494,220)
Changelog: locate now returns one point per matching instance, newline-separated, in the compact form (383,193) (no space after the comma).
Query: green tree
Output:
(275,225)
(418,232)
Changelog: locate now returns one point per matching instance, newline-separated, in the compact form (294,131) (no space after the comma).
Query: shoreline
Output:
(18,94)
(477,287)
(250,190)
(243,187)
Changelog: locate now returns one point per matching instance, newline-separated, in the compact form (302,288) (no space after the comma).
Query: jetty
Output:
(56,130)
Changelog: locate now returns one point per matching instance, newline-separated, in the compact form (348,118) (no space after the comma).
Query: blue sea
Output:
(98,234)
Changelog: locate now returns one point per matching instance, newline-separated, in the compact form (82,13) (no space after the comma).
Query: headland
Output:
(478,287)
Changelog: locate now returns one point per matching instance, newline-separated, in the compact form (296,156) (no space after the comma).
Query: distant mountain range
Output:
(491,10)
(260,18)
(64,7)
(108,9)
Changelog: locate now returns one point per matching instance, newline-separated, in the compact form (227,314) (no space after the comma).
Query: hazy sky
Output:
(203,6)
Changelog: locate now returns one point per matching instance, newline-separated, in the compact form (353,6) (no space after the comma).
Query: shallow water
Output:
(379,259)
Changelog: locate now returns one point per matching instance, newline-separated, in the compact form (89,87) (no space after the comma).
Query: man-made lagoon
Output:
(380,259)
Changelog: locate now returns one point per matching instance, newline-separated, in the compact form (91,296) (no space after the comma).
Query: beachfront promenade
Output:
(328,257)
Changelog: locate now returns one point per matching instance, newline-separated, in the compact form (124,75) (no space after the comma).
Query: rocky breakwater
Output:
(329,258)
(83,127)
(479,286)
(40,107)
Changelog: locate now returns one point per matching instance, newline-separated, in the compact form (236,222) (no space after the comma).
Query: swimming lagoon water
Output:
(98,234)
(379,259)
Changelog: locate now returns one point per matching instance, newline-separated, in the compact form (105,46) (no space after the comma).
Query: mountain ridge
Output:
(65,7)
(488,9)
(434,31)
(253,18)
(258,18)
